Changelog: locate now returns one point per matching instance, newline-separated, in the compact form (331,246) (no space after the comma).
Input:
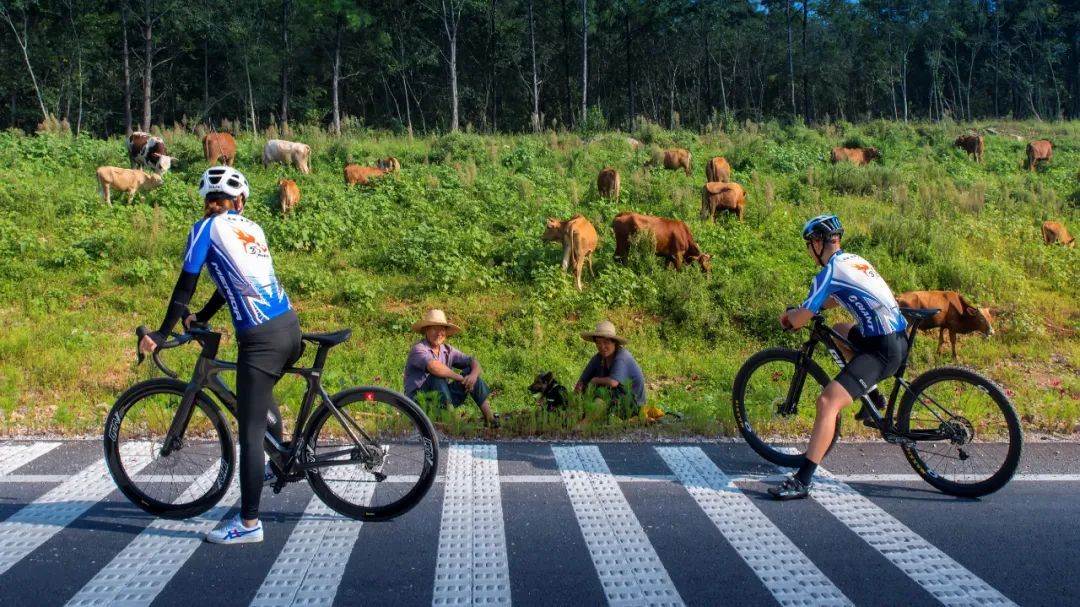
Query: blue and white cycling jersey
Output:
(234,249)
(858,287)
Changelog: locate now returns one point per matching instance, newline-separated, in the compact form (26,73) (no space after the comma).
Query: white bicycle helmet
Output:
(225,180)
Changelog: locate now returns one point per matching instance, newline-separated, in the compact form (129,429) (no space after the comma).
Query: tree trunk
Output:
(127,68)
(206,81)
(584,59)
(148,67)
(251,92)
(566,64)
(285,63)
(790,57)
(803,60)
(78,64)
(336,78)
(535,118)
(630,113)
(493,61)
(23,41)
(450,17)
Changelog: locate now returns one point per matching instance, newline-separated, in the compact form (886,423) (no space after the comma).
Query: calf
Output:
(1041,150)
(579,240)
(145,150)
(672,159)
(608,183)
(718,169)
(859,156)
(388,164)
(1053,231)
(125,180)
(359,174)
(287,152)
(674,242)
(956,315)
(219,148)
(722,196)
(972,144)
(288,195)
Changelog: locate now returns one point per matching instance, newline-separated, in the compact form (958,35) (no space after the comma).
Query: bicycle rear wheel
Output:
(774,427)
(391,472)
(193,476)
(973,439)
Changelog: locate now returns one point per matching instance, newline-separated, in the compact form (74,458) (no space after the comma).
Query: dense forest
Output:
(107,66)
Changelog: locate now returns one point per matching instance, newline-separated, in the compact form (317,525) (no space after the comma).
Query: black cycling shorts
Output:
(876,358)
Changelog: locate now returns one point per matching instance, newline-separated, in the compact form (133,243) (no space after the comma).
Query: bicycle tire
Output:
(187,482)
(917,457)
(775,452)
(410,464)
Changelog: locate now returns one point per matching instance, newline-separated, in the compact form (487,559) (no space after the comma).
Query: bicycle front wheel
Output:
(772,414)
(389,471)
(182,481)
(967,436)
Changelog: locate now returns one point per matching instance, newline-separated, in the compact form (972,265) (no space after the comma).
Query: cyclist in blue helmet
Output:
(877,335)
(233,248)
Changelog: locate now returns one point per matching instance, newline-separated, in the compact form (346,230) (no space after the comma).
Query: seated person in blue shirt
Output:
(613,368)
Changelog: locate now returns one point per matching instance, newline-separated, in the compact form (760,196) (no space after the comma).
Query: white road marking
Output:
(310,566)
(16,455)
(784,570)
(472,566)
(626,562)
(144,567)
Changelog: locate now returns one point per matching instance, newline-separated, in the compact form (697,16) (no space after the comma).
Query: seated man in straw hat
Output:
(435,366)
(612,367)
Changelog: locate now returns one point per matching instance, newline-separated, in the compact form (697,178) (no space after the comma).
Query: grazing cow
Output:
(972,144)
(125,180)
(722,196)
(359,174)
(633,143)
(579,240)
(956,315)
(608,183)
(859,156)
(718,169)
(674,242)
(145,150)
(388,164)
(1036,151)
(219,148)
(1053,231)
(287,152)
(672,159)
(288,195)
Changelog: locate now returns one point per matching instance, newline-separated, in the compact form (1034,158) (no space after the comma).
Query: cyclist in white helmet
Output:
(850,281)
(233,248)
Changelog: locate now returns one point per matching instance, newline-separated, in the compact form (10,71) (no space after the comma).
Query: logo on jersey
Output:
(251,244)
(865,268)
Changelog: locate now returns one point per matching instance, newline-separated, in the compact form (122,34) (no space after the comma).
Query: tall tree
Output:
(23,40)
(286,5)
(584,59)
(124,10)
(449,11)
(534,117)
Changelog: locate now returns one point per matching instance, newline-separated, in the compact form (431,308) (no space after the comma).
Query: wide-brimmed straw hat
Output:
(604,328)
(435,318)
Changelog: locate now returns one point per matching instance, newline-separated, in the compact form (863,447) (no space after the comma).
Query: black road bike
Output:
(958,429)
(367,452)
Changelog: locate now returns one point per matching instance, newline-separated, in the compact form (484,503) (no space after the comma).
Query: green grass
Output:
(459,228)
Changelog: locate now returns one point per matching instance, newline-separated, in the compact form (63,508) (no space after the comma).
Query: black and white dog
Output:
(553,394)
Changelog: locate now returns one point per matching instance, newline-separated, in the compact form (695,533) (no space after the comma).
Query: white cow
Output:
(287,152)
(126,180)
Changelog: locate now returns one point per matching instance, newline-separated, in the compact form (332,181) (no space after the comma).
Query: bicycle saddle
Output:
(329,339)
(919,312)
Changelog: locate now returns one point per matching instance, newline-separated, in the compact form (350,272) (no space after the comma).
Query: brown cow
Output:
(859,156)
(972,144)
(608,183)
(579,240)
(125,180)
(722,196)
(363,175)
(1053,231)
(1036,151)
(288,195)
(674,242)
(718,169)
(219,148)
(145,150)
(672,159)
(957,316)
(388,164)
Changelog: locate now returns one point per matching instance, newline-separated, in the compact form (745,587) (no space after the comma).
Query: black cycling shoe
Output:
(791,489)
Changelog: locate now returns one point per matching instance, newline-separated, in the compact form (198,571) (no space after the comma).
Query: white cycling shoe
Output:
(233,531)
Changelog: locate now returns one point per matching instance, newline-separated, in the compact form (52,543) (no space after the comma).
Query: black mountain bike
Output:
(369,453)
(958,429)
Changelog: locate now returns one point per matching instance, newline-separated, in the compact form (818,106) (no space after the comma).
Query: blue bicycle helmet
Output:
(822,227)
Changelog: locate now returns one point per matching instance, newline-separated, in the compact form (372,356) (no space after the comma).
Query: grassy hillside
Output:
(460,228)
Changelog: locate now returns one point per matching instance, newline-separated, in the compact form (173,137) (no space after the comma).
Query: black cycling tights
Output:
(264,352)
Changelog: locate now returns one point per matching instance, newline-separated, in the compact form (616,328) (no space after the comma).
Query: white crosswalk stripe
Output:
(15,456)
(35,523)
(309,568)
(472,565)
(143,568)
(787,573)
(629,568)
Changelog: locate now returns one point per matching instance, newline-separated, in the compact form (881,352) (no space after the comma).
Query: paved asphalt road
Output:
(560,524)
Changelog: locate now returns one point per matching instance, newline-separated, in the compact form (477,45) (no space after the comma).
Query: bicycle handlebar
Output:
(178,339)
